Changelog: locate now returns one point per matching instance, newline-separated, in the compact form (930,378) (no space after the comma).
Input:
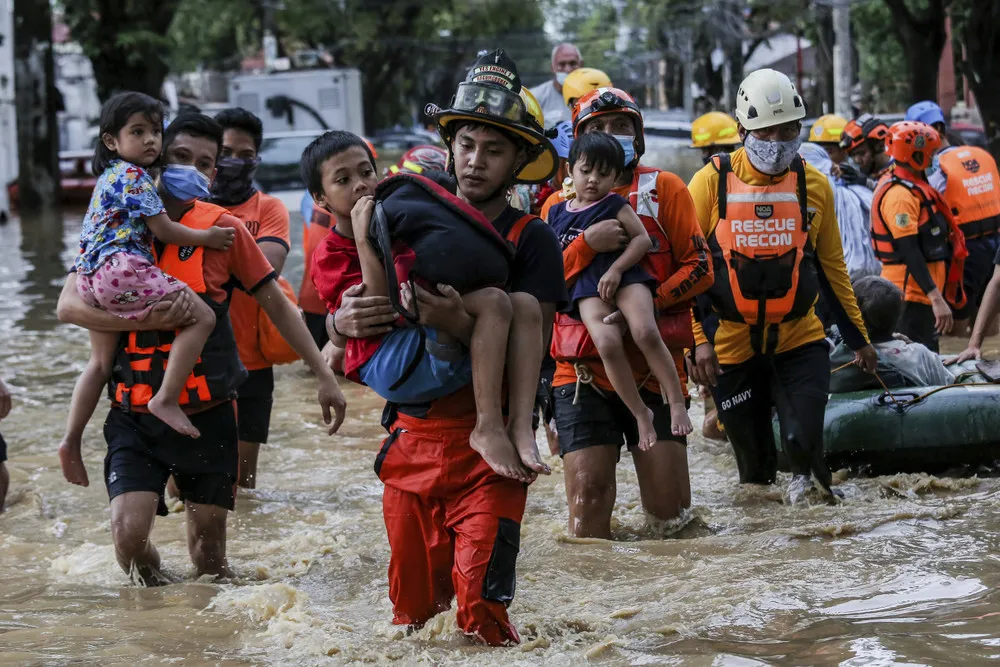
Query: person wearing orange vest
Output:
(916,237)
(771,225)
(142,451)
(454,524)
(592,422)
(967,178)
(266,218)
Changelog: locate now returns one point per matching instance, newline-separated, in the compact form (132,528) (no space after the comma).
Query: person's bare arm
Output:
(177,234)
(293,329)
(638,245)
(639,241)
(372,271)
(445,312)
(276,254)
(165,316)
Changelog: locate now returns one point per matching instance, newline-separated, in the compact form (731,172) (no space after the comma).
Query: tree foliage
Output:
(126,41)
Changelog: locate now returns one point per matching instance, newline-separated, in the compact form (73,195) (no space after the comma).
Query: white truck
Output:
(296,101)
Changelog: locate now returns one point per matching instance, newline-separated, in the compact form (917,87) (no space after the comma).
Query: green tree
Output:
(882,65)
(126,41)
(919,27)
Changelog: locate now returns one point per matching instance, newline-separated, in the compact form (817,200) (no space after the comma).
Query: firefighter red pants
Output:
(453,526)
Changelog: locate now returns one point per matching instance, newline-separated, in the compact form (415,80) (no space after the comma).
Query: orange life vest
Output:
(938,233)
(973,190)
(316,229)
(570,339)
(142,355)
(765,264)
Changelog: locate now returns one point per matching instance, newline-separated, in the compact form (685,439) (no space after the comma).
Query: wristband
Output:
(333,325)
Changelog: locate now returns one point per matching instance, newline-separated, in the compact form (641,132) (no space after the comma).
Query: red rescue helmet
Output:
(419,159)
(604,101)
(912,144)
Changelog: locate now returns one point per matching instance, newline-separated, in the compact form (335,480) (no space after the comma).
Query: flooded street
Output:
(906,571)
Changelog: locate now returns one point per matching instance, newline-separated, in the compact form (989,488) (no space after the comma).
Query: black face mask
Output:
(234,181)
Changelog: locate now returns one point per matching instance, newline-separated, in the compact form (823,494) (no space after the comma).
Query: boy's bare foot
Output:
(71,461)
(499,453)
(647,432)
(4,483)
(527,449)
(171,414)
(680,423)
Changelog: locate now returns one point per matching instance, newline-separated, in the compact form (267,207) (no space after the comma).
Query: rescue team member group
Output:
(754,238)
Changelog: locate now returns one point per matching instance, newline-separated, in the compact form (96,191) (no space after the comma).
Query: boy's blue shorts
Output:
(443,369)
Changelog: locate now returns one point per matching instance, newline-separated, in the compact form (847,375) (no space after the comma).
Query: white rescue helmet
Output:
(767,98)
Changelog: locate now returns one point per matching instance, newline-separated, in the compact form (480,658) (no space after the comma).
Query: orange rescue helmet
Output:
(604,101)
(863,128)
(912,144)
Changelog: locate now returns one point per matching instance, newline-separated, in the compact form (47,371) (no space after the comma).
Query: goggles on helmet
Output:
(608,100)
(490,101)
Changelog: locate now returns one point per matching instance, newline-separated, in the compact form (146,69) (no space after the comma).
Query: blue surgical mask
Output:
(184,182)
(628,145)
(561,77)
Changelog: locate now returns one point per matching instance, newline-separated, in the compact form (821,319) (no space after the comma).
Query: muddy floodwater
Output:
(906,571)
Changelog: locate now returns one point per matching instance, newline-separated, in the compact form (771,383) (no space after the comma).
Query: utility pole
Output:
(37,132)
(842,78)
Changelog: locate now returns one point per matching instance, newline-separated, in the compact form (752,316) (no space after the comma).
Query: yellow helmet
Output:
(581,81)
(533,108)
(827,129)
(714,129)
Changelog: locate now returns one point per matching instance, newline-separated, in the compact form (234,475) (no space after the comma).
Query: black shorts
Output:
(917,324)
(602,419)
(978,271)
(143,452)
(3,449)
(253,405)
(316,323)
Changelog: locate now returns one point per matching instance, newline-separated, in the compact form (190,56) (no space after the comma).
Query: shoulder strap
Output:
(514,235)
(799,168)
(723,166)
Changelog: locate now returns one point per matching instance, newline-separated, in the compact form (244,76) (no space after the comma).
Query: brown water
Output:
(906,571)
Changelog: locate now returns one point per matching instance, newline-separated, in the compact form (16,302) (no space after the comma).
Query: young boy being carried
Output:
(416,364)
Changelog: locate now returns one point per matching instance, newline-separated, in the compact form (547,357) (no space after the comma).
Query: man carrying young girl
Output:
(592,420)
(143,451)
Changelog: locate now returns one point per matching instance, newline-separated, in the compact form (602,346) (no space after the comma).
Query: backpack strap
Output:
(798,166)
(514,235)
(724,166)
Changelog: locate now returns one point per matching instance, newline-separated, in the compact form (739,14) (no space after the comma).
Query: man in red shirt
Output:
(142,451)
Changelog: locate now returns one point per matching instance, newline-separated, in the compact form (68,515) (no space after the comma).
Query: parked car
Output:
(279,154)
(76,182)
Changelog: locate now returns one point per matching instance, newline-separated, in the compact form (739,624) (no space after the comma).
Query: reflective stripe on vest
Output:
(765,270)
(972,190)
(141,359)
